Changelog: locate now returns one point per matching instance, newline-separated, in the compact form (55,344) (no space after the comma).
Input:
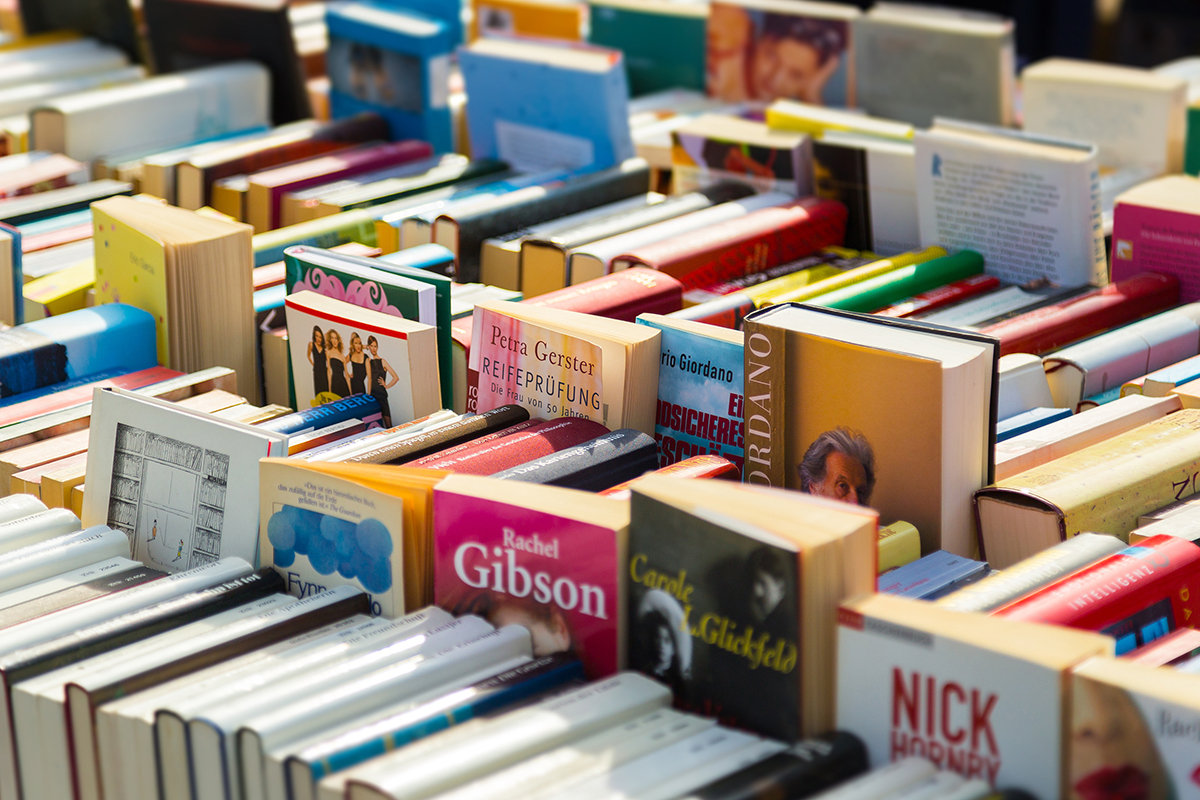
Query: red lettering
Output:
(904,699)
(954,737)
(981,722)
(723,430)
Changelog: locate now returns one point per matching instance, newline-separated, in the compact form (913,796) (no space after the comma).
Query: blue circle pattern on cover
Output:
(361,551)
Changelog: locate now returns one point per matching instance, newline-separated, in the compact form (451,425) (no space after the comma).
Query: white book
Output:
(163,111)
(53,556)
(23,97)
(212,741)
(1031,205)
(882,782)
(65,580)
(36,528)
(975,789)
(81,61)
(15,506)
(932,788)
(593,260)
(38,719)
(449,759)
(41,263)
(505,648)
(1023,385)
(183,485)
(566,767)
(1107,361)
(340,451)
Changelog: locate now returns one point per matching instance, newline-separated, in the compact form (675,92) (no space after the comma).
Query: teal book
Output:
(700,384)
(663,41)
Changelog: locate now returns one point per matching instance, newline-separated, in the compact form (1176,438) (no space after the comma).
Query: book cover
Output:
(551,559)
(716,147)
(182,486)
(762,50)
(959,690)
(528,19)
(700,392)
(395,62)
(593,466)
(385,356)
(876,180)
(1155,229)
(932,576)
(663,42)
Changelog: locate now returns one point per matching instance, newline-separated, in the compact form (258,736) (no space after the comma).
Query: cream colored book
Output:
(1023,385)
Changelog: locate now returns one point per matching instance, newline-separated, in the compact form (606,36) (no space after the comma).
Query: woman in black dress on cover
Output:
(378,373)
(316,357)
(358,365)
(337,364)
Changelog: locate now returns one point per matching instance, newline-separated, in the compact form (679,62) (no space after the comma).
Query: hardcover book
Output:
(593,466)
(700,391)
(816,421)
(876,180)
(387,357)
(182,485)
(663,42)
(622,296)
(932,576)
(960,690)
(518,444)
(725,604)
(548,558)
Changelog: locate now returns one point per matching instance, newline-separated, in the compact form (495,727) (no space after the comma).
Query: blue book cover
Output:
(356,406)
(700,388)
(109,338)
(1028,421)
(540,106)
(432,257)
(394,62)
(932,576)
(68,220)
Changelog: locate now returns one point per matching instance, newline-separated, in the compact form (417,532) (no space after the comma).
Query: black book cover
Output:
(593,466)
(186,34)
(108,583)
(713,614)
(804,769)
(840,173)
(110,21)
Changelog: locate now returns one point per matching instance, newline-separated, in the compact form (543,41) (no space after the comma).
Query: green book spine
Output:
(664,49)
(1191,156)
(902,283)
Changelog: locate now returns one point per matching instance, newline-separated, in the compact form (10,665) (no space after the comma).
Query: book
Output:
(1023,385)
(181,485)
(700,391)
(355,407)
(663,43)
(1070,320)
(1148,593)
(116,339)
(1111,359)
(1074,99)
(764,50)
(959,690)
(806,768)
(394,357)
(297,140)
(883,290)
(510,448)
(621,296)
(164,111)
(1152,224)
(722,584)
(1103,488)
(537,19)
(927,40)
(551,254)
(43,205)
(184,34)
(816,121)
(1167,380)
(60,292)
(1028,421)
(1176,647)
(899,544)
(593,466)
(53,172)
(150,255)
(716,147)
(437,438)
(464,230)
(42,560)
(395,62)
(110,23)
(933,576)
(265,189)
(564,363)
(38,527)
(1148,710)
(876,180)
(426,768)
(72,588)
(388,286)
(22,97)
(576,119)
(815,422)
(739,247)
(1067,225)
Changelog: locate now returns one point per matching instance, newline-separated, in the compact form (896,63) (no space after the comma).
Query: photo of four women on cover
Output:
(338,373)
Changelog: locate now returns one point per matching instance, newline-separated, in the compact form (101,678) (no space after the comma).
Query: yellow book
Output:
(58,483)
(1103,488)
(77,500)
(543,19)
(229,196)
(792,115)
(59,292)
(899,544)
(770,293)
(409,490)
(387,237)
(1188,394)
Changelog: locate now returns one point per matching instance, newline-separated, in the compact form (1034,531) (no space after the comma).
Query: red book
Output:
(538,440)
(53,172)
(268,187)
(458,448)
(622,295)
(1058,325)
(757,241)
(1174,648)
(44,241)
(1136,595)
(697,468)
(78,395)
(942,296)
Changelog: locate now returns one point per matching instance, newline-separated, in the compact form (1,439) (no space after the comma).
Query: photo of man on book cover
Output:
(839,465)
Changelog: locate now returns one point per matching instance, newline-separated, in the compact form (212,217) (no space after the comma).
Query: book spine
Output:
(358,406)
(449,452)
(943,296)
(466,430)
(806,768)
(75,595)
(622,295)
(764,427)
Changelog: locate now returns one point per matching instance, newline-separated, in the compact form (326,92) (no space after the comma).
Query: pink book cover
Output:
(511,565)
(1156,240)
